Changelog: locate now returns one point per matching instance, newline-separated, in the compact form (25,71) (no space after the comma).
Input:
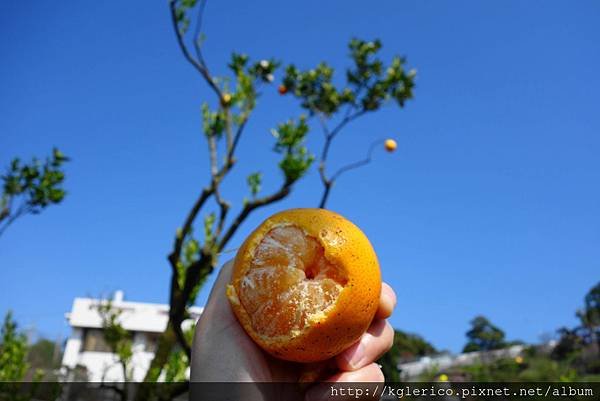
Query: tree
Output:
(589,316)
(406,347)
(570,341)
(484,336)
(30,188)
(368,86)
(13,363)
(13,352)
(44,356)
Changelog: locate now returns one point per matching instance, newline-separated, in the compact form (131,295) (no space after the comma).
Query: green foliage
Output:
(254,181)
(290,138)
(589,316)
(44,355)
(315,88)
(178,362)
(504,369)
(484,336)
(245,93)
(536,368)
(542,368)
(248,77)
(406,347)
(116,336)
(183,21)
(264,69)
(581,344)
(14,367)
(13,352)
(570,341)
(35,186)
(175,369)
(531,367)
(19,363)
(368,83)
(190,254)
(213,123)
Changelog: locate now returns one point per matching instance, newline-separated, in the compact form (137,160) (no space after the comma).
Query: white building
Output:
(86,347)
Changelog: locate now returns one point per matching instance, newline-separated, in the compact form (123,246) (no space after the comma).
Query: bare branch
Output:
(198,64)
(180,299)
(182,340)
(21,211)
(187,225)
(224,208)
(323,124)
(228,131)
(198,32)
(359,163)
(230,158)
(212,151)
(334,132)
(329,183)
(249,207)
(237,136)
(329,137)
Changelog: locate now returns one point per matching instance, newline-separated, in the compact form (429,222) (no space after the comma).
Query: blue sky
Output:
(491,204)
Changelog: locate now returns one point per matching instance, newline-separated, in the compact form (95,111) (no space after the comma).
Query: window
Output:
(93,341)
(151,342)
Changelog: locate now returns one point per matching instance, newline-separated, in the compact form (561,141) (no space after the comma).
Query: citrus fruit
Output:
(282,89)
(390,145)
(226,99)
(305,284)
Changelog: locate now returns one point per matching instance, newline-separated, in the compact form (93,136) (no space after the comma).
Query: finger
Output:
(217,302)
(387,302)
(374,343)
(367,374)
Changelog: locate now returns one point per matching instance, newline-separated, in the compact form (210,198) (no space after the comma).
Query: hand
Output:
(223,352)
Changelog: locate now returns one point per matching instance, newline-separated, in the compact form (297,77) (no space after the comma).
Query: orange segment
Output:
(289,281)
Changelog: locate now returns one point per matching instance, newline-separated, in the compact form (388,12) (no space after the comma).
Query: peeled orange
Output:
(305,284)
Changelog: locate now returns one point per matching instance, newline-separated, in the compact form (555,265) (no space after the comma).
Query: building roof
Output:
(135,316)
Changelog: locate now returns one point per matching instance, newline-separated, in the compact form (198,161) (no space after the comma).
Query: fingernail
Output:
(355,360)
(391,296)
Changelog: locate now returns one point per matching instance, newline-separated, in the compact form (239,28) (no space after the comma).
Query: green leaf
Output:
(290,138)
(209,222)
(254,181)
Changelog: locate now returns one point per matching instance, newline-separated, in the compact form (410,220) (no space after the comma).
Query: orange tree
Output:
(369,84)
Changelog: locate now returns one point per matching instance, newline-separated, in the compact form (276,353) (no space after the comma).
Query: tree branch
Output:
(23,210)
(198,32)
(249,207)
(187,225)
(198,64)
(329,137)
(212,151)
(359,163)
(334,132)
(329,183)
(178,305)
(224,208)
